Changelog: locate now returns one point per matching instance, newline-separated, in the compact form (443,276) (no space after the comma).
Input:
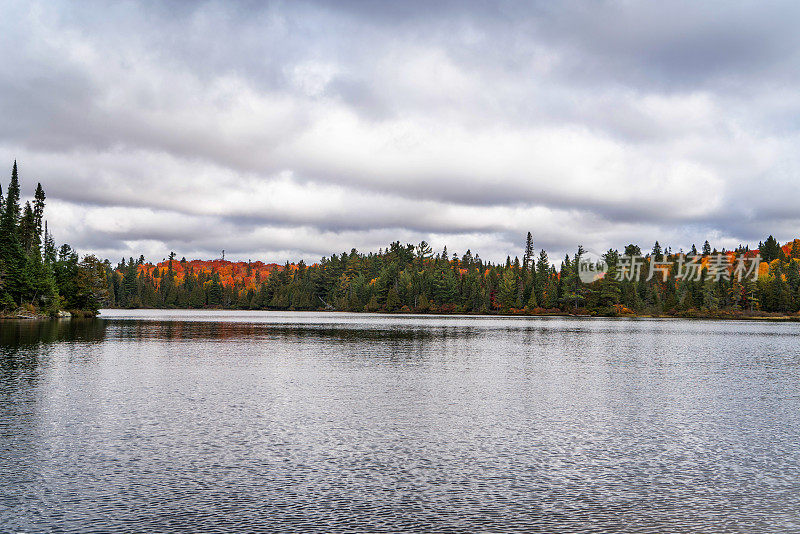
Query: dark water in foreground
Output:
(232,422)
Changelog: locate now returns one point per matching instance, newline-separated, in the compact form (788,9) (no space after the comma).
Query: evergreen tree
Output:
(27,228)
(770,249)
(12,256)
(38,207)
(572,290)
(656,254)
(527,258)
(129,285)
(633,250)
(795,250)
(508,289)
(542,278)
(392,299)
(424,252)
(532,302)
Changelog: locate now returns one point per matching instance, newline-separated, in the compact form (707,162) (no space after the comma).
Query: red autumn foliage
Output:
(230,273)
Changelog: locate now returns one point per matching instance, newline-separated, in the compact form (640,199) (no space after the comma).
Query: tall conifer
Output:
(11,254)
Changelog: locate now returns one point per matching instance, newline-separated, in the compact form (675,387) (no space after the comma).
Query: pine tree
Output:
(633,250)
(424,252)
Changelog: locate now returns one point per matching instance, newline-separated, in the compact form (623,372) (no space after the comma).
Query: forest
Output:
(38,277)
(413,279)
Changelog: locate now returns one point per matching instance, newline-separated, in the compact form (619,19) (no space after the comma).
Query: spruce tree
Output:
(532,302)
(27,228)
(41,283)
(527,259)
(542,276)
(656,254)
(11,253)
(38,211)
(49,252)
(770,249)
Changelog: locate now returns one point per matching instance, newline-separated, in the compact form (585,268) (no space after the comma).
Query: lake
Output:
(173,421)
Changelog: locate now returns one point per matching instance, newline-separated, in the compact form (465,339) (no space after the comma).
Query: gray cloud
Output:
(288,130)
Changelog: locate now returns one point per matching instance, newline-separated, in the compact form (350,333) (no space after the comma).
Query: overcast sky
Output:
(292,130)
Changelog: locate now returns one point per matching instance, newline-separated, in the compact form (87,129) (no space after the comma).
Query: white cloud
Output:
(300,130)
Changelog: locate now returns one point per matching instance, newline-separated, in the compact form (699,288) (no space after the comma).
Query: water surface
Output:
(326,422)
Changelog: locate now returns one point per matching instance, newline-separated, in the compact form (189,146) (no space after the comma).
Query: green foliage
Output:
(770,249)
(508,289)
(12,257)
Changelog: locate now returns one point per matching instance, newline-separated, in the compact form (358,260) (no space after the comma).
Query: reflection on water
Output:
(21,334)
(238,421)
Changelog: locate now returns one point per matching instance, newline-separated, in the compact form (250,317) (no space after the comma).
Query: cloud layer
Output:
(290,130)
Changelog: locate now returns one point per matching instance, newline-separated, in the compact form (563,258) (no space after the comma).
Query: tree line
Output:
(37,276)
(412,278)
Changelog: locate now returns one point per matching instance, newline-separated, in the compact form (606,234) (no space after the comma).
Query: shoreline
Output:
(689,316)
(36,316)
(722,316)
